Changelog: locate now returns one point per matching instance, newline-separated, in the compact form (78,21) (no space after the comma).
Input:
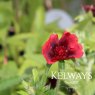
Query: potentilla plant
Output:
(91,8)
(64,51)
(67,47)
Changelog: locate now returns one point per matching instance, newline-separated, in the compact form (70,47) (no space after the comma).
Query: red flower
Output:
(91,8)
(67,47)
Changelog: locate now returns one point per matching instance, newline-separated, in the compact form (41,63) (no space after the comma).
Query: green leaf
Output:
(51,92)
(28,88)
(22,93)
(9,82)
(8,70)
(35,75)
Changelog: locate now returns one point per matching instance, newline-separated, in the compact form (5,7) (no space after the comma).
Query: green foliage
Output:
(21,54)
(9,82)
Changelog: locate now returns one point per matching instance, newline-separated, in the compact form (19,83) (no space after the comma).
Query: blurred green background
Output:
(22,34)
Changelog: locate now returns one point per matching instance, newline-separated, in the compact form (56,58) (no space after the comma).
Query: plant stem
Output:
(15,4)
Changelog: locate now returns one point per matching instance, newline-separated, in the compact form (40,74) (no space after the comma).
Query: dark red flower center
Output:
(59,52)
